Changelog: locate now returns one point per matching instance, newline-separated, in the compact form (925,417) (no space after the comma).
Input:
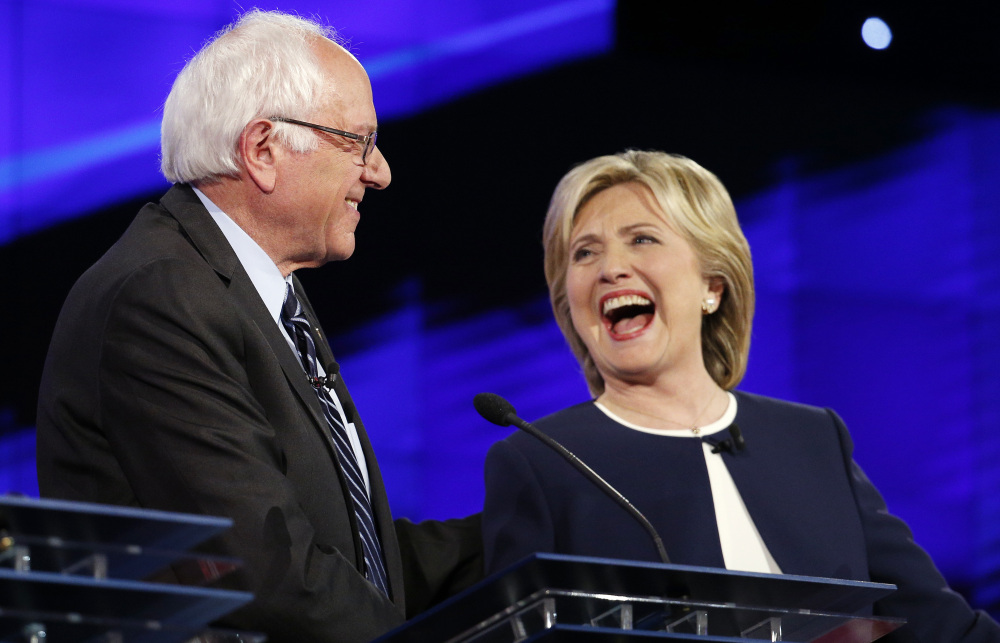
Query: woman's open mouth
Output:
(626,314)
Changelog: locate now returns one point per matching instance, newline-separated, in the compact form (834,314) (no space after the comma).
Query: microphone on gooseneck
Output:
(499,411)
(733,444)
(332,369)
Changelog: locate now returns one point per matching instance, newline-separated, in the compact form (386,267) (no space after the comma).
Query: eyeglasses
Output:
(367,140)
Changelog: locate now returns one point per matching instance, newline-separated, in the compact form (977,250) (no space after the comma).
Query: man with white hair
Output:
(187,371)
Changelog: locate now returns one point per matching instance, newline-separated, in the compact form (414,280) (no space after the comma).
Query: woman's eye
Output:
(644,238)
(581,253)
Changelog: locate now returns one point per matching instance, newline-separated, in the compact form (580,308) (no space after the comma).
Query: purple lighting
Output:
(85,119)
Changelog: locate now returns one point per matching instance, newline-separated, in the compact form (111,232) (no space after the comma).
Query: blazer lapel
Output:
(207,238)
(186,208)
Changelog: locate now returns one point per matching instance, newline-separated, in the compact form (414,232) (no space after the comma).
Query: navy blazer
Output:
(815,509)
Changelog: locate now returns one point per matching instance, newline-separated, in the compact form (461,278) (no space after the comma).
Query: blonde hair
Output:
(699,208)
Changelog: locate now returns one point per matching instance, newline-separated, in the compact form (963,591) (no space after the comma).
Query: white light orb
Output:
(876,33)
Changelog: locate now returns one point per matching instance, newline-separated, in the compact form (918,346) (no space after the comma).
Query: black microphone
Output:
(499,411)
(327,380)
(733,444)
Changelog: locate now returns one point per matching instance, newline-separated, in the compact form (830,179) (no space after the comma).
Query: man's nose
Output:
(376,172)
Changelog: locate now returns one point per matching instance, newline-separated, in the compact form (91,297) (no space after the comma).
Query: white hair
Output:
(261,66)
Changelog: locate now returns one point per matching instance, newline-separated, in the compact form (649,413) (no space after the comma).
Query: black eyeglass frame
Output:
(368,140)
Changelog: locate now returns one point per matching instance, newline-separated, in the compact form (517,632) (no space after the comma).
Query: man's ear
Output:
(256,148)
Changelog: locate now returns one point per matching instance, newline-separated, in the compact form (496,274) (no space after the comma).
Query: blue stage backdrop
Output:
(878,295)
(878,283)
(82,82)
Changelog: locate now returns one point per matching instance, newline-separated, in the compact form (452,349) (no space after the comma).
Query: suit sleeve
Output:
(440,559)
(934,612)
(517,520)
(178,411)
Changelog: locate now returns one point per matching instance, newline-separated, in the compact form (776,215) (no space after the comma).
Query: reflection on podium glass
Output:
(549,597)
(86,572)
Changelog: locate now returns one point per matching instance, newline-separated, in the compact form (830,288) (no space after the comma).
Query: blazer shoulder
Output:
(781,422)
(569,419)
(759,407)
(580,426)
(176,232)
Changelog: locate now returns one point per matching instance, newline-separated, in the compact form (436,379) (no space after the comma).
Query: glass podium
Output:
(548,597)
(82,572)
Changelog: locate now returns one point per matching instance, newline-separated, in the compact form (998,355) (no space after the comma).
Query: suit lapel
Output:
(183,204)
(207,238)
(211,243)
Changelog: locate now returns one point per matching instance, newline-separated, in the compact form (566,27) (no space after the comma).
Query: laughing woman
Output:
(651,282)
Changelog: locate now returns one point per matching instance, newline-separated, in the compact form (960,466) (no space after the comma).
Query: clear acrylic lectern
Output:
(548,597)
(80,572)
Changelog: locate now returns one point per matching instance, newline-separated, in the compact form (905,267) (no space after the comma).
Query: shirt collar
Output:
(263,272)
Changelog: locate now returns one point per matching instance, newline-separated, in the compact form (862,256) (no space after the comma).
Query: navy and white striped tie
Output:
(294,320)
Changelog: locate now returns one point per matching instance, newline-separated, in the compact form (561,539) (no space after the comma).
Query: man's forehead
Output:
(350,94)
(351,110)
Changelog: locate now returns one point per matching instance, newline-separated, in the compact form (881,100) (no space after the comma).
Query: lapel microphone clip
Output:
(733,444)
(332,369)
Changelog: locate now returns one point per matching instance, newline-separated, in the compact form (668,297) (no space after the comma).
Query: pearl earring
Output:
(708,306)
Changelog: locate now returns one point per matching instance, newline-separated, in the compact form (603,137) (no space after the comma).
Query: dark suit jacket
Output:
(815,509)
(168,385)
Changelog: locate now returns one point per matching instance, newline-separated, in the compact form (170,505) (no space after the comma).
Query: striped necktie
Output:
(294,320)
